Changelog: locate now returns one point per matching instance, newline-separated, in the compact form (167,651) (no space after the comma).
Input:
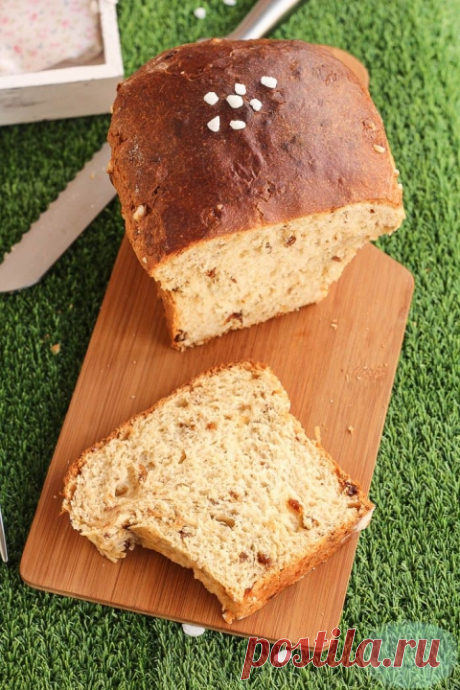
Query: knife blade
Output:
(55,230)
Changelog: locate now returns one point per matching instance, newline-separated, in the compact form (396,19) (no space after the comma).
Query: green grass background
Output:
(408,563)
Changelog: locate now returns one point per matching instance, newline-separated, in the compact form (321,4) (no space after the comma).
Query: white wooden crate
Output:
(69,91)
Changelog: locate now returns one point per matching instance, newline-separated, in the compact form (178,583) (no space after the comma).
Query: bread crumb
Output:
(199,12)
(144,259)
(230,3)
(351,430)
(55,349)
(334,324)
(379,149)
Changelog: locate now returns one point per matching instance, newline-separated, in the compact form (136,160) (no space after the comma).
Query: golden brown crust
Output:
(317,144)
(266,589)
(276,581)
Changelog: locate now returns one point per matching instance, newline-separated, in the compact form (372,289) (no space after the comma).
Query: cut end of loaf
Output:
(246,278)
(221,478)
(311,167)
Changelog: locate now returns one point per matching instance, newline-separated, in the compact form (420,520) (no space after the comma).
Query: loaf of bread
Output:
(249,174)
(220,478)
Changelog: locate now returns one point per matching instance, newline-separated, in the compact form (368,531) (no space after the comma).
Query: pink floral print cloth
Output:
(38,34)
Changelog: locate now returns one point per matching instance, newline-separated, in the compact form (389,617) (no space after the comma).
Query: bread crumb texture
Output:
(246,278)
(221,478)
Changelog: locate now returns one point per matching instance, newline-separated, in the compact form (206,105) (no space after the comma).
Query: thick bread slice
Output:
(239,226)
(220,478)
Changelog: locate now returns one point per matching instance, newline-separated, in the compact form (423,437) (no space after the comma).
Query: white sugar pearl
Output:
(255,104)
(214,124)
(235,101)
(270,82)
(200,13)
(237,124)
(211,98)
(230,3)
(240,88)
(193,630)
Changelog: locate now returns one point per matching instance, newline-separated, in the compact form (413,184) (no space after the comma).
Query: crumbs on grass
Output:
(55,349)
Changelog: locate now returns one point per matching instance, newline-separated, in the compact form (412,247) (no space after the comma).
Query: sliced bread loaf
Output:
(237,226)
(220,478)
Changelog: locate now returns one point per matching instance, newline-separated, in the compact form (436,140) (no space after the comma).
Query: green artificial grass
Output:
(408,563)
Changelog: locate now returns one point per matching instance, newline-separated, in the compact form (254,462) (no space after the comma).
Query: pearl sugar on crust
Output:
(269,82)
(237,124)
(214,124)
(235,100)
(211,98)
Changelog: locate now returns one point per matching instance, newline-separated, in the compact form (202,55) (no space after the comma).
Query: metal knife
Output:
(91,190)
(66,217)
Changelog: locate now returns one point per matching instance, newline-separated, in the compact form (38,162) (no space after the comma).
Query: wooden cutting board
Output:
(337,361)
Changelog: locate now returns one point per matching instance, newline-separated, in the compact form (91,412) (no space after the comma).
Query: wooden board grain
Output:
(337,361)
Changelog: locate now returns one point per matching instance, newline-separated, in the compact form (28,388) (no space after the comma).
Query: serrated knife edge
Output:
(65,219)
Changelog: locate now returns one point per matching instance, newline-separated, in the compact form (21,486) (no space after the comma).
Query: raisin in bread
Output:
(240,225)
(221,478)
